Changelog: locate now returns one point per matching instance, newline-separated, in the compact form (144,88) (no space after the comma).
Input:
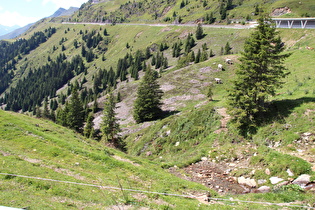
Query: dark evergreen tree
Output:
(199,32)
(46,110)
(191,56)
(105,32)
(110,126)
(223,12)
(258,76)
(88,130)
(52,115)
(147,105)
(198,56)
(153,61)
(204,56)
(227,49)
(147,53)
(75,116)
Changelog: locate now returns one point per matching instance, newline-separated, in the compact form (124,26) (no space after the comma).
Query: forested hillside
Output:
(136,102)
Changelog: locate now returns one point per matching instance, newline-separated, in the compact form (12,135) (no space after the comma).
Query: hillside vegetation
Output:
(187,11)
(193,148)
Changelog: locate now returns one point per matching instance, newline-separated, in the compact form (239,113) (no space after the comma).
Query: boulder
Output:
(275,180)
(262,181)
(247,181)
(263,189)
(267,171)
(290,173)
(302,180)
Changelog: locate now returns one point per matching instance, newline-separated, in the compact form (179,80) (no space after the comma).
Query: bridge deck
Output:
(295,22)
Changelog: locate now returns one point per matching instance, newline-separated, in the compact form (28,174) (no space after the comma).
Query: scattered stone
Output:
(310,187)
(176,144)
(267,171)
(204,158)
(263,189)
(232,164)
(302,180)
(275,180)
(149,153)
(277,144)
(290,173)
(247,181)
(282,184)
(262,181)
(77,164)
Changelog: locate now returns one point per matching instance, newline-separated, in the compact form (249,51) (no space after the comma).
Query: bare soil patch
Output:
(212,175)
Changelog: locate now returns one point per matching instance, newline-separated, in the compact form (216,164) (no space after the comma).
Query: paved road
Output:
(238,26)
(307,23)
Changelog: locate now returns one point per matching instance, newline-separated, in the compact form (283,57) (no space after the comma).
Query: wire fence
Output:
(161,193)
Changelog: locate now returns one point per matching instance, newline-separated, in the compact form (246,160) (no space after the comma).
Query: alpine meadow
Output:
(190,104)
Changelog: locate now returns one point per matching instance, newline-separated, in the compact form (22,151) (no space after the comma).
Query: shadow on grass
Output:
(279,110)
(166,114)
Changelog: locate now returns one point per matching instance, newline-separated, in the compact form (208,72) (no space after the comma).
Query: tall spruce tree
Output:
(89,126)
(110,126)
(199,32)
(258,76)
(75,115)
(148,101)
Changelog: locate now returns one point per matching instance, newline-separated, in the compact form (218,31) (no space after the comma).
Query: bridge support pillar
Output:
(278,23)
(290,23)
(303,24)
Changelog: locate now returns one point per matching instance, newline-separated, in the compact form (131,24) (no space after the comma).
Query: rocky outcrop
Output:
(281,11)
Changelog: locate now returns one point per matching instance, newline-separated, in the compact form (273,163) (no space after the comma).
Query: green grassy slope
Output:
(37,148)
(190,11)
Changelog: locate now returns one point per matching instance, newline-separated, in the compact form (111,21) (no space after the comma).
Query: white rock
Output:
(263,189)
(302,180)
(262,181)
(204,158)
(275,180)
(290,173)
(176,144)
(267,171)
(247,181)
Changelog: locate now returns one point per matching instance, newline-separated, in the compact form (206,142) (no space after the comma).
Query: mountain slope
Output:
(37,148)
(189,11)
(190,134)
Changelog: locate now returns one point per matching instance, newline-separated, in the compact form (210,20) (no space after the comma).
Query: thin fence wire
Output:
(159,193)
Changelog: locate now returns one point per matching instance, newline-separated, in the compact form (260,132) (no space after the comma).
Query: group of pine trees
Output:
(11,53)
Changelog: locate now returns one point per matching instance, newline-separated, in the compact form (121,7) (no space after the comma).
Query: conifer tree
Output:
(75,115)
(199,32)
(52,115)
(110,126)
(46,110)
(105,32)
(148,101)
(198,56)
(88,128)
(258,76)
(227,49)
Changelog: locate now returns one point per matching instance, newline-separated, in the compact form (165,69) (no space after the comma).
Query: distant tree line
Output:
(10,53)
(41,83)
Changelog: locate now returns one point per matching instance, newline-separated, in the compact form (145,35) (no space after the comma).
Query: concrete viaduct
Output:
(295,22)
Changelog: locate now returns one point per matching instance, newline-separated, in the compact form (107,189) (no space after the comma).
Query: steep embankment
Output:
(36,148)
